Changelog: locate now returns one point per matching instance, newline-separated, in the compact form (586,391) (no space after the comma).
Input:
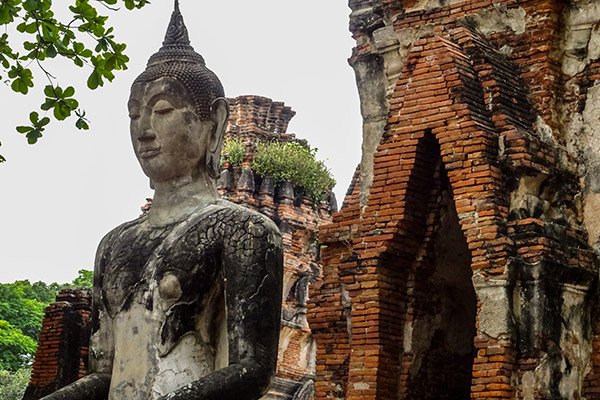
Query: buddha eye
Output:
(163,107)
(133,115)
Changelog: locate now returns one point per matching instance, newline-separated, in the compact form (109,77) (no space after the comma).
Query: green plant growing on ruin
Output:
(233,152)
(294,163)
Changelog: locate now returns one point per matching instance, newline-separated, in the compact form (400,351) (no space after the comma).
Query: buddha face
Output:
(169,140)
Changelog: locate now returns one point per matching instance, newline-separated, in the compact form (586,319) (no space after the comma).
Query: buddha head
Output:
(178,111)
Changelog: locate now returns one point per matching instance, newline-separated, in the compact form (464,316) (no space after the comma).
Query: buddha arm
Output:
(252,270)
(90,387)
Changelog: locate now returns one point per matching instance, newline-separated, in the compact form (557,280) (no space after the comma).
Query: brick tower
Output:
(62,353)
(463,263)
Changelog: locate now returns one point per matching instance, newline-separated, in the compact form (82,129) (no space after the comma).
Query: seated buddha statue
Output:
(186,298)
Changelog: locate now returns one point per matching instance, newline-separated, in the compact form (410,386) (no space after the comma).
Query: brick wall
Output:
(460,264)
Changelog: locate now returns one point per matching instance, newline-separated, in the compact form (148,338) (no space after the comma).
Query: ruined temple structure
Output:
(63,346)
(62,354)
(463,263)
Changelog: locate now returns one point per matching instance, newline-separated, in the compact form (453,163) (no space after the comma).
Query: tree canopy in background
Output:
(16,349)
(34,34)
(22,307)
(13,384)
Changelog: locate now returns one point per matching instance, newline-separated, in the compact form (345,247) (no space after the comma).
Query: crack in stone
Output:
(260,287)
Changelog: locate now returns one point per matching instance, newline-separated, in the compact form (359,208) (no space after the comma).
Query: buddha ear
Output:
(219,114)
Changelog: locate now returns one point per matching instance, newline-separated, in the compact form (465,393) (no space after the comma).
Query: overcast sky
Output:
(60,196)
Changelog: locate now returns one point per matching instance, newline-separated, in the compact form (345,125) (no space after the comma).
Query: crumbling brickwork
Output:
(62,353)
(252,118)
(463,263)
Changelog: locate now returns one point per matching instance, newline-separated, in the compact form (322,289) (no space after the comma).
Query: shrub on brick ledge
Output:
(233,152)
(294,163)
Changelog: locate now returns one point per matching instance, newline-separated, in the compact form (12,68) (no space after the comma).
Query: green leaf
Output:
(94,80)
(82,124)
(33,136)
(51,51)
(31,28)
(21,27)
(61,112)
(78,47)
(19,86)
(69,92)
(48,104)
(72,103)
(49,91)
(34,117)
(29,45)
(30,5)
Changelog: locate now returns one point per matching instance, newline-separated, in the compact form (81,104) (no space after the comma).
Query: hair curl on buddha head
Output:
(177,59)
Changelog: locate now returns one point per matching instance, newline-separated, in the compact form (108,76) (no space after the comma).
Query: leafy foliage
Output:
(84,280)
(22,306)
(84,38)
(13,384)
(234,151)
(295,163)
(16,349)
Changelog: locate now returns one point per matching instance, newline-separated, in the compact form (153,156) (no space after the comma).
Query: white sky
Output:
(59,197)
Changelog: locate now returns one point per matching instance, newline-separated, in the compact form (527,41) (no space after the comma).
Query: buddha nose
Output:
(145,127)
(147,135)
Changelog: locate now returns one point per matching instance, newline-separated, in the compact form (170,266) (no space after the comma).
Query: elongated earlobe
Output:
(219,113)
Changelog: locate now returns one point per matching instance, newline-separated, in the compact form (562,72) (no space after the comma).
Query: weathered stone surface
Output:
(171,327)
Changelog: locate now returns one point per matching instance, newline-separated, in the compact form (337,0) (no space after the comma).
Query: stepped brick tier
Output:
(463,263)
(252,118)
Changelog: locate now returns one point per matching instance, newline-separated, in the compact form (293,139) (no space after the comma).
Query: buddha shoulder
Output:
(113,235)
(235,222)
